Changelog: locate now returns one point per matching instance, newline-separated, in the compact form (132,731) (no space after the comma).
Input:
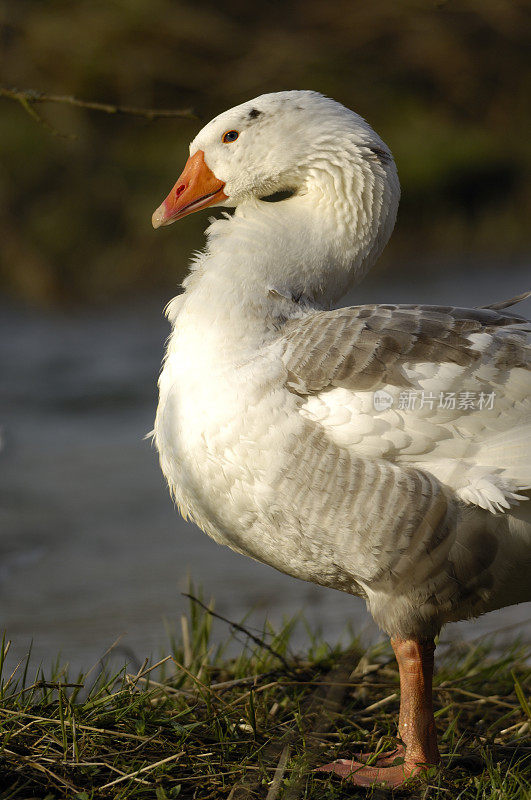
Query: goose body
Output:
(268,429)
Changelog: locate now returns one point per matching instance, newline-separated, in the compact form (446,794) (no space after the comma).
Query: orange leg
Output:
(416,724)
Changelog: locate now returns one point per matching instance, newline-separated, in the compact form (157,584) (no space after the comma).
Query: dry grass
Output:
(198,724)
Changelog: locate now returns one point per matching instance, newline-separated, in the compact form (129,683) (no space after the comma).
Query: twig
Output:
(381,703)
(254,690)
(519,724)
(47,685)
(241,681)
(165,687)
(143,769)
(238,627)
(7,683)
(142,672)
(481,697)
(27,97)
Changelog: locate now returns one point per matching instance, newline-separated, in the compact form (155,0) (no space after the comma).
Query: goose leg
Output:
(416,723)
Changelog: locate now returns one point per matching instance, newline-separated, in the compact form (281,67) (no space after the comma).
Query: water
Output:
(90,545)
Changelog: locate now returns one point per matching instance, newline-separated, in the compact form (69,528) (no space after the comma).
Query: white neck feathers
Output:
(315,244)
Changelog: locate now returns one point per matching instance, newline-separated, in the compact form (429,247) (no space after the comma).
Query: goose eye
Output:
(230,136)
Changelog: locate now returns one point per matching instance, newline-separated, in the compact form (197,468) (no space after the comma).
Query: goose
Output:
(381,450)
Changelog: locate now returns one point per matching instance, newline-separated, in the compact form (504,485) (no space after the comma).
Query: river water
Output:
(91,547)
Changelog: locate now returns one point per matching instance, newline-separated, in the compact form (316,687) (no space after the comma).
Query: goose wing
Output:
(443,389)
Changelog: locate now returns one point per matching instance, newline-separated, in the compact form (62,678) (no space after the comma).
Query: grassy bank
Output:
(201,724)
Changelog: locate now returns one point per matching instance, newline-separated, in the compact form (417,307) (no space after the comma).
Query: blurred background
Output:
(90,546)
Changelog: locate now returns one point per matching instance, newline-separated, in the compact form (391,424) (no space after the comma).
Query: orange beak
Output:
(197,188)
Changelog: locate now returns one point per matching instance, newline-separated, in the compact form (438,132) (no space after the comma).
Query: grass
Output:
(201,724)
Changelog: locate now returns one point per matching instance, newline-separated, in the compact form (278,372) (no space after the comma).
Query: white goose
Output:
(267,428)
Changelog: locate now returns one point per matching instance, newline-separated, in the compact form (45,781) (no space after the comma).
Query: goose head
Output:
(324,164)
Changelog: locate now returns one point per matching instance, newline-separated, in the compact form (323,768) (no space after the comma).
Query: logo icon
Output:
(382,400)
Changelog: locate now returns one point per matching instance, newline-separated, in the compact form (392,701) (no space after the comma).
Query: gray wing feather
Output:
(363,347)
(519,298)
(416,550)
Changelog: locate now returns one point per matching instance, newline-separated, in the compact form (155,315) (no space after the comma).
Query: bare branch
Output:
(28,97)
(237,627)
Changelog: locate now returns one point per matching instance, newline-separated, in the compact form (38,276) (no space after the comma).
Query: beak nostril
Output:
(197,187)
